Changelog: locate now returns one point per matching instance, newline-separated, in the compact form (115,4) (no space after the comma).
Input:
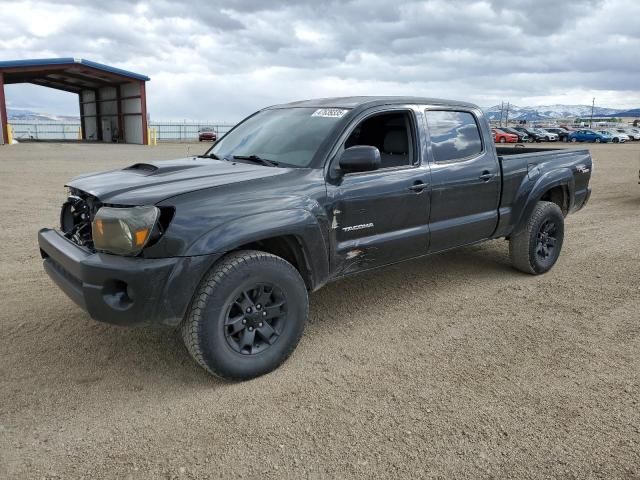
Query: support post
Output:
(82,127)
(143,112)
(121,135)
(96,94)
(3,112)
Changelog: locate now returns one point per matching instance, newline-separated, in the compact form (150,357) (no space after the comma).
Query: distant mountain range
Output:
(542,112)
(548,112)
(14,114)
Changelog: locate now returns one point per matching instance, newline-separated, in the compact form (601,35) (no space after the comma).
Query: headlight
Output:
(123,231)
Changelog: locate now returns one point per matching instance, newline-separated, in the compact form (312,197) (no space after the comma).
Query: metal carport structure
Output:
(113,103)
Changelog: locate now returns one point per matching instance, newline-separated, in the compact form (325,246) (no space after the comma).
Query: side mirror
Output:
(360,158)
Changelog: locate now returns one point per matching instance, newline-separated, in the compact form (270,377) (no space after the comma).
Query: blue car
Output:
(589,136)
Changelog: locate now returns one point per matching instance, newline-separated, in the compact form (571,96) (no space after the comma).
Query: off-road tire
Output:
(524,246)
(203,329)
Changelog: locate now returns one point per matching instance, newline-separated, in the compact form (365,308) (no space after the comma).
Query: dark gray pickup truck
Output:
(228,244)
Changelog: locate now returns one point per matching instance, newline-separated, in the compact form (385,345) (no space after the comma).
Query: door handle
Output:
(418,186)
(486,176)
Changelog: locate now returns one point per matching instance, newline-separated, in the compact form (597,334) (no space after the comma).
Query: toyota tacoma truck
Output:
(227,245)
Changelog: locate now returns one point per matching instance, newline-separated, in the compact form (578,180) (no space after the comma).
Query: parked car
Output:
(522,136)
(500,136)
(624,131)
(586,135)
(634,133)
(228,245)
(616,137)
(533,135)
(562,133)
(548,136)
(207,135)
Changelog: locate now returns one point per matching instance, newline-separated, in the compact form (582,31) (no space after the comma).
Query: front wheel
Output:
(597,140)
(574,140)
(536,247)
(247,315)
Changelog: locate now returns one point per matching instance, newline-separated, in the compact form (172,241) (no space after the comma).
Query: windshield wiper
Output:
(210,155)
(257,159)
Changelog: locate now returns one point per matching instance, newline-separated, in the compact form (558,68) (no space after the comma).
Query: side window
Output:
(454,135)
(391,133)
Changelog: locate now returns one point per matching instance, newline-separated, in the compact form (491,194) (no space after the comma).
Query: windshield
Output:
(288,136)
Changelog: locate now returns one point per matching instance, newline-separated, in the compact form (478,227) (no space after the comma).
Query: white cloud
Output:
(222,60)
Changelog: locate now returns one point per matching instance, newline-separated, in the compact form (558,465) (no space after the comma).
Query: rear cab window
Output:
(455,135)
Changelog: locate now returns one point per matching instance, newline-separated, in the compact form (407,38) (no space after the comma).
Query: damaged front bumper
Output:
(123,290)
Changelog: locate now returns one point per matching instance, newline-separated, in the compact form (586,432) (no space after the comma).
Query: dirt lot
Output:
(452,366)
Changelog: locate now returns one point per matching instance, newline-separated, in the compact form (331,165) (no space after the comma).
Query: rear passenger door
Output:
(465,179)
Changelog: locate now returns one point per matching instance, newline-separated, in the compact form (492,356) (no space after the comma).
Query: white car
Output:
(549,136)
(618,137)
(633,133)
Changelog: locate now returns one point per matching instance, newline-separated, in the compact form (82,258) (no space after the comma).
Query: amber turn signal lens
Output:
(99,227)
(141,236)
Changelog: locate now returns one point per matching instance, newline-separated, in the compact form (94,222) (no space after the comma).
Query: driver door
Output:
(381,217)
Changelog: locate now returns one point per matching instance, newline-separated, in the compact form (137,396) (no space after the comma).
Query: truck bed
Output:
(522,165)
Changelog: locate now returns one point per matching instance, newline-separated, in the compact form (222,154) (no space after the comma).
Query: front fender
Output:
(304,225)
(527,200)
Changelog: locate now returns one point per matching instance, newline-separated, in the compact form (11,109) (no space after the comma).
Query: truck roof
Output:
(371,101)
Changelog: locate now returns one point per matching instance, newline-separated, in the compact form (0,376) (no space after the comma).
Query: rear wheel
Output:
(247,315)
(502,140)
(536,247)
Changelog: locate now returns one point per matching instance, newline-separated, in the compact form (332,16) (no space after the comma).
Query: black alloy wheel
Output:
(247,315)
(536,246)
(255,319)
(547,240)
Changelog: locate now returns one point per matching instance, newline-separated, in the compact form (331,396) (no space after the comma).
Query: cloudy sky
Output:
(219,61)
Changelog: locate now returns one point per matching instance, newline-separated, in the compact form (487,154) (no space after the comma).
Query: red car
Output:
(503,137)
(207,135)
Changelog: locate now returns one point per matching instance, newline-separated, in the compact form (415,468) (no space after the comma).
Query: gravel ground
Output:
(452,366)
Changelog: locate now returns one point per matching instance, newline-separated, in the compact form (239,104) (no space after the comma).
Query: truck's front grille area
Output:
(76,217)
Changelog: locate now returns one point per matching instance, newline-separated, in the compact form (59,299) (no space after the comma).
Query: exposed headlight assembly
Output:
(124,231)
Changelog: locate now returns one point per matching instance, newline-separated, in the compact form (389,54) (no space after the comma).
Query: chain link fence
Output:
(167,131)
(29,130)
(187,131)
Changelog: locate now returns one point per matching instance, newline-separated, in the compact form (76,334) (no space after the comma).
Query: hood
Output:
(150,183)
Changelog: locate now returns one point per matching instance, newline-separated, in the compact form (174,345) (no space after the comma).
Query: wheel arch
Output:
(296,235)
(556,186)
(289,247)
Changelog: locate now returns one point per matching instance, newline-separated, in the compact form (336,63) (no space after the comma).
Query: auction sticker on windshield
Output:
(330,112)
